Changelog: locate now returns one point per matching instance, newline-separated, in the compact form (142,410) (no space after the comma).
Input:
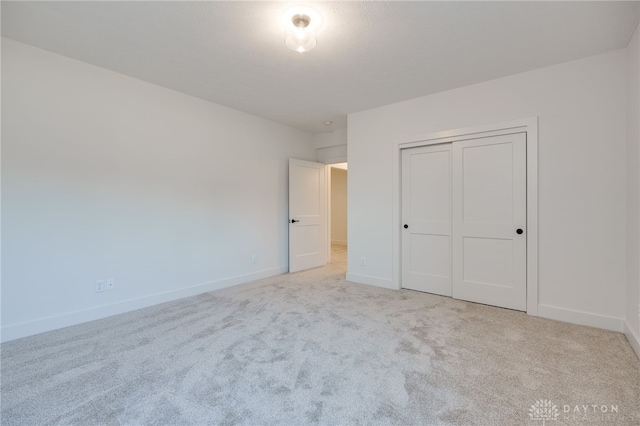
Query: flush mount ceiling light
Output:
(301,25)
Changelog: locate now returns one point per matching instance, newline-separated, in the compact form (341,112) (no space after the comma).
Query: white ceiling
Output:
(369,53)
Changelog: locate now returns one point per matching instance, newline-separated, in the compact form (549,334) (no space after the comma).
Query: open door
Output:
(307,210)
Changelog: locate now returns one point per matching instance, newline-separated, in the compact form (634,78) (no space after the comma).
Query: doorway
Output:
(337,197)
(317,214)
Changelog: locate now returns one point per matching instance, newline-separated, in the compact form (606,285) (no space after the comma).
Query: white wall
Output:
(633,193)
(105,176)
(331,147)
(338,206)
(581,107)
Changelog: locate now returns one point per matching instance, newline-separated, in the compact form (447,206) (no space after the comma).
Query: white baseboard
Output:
(41,325)
(581,318)
(369,280)
(339,242)
(633,338)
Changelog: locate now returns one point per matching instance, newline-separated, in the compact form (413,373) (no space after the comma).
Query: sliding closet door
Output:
(489,221)
(426,216)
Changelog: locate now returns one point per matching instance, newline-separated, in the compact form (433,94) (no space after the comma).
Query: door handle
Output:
(406,226)
(519,231)
(294,221)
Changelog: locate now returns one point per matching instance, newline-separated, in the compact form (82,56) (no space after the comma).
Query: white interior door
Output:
(426,218)
(307,210)
(489,221)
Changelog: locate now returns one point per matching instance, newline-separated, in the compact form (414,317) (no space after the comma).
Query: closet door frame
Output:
(525,125)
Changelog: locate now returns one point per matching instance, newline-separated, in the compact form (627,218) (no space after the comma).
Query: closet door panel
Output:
(489,221)
(426,215)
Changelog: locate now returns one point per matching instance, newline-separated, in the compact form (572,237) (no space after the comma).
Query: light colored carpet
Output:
(312,348)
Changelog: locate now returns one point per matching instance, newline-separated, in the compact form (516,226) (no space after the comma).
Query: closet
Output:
(463,210)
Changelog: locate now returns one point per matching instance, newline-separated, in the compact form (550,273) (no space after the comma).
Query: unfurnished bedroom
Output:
(334,213)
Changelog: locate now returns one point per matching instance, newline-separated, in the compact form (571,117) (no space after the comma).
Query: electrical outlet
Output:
(110,284)
(100,284)
(363,261)
(254,258)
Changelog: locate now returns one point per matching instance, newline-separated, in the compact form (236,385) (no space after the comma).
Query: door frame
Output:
(327,174)
(327,215)
(529,126)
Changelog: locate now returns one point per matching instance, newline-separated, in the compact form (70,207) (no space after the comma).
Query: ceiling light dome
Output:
(301,25)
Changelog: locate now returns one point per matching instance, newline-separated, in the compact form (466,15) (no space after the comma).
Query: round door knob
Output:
(519,231)
(406,226)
